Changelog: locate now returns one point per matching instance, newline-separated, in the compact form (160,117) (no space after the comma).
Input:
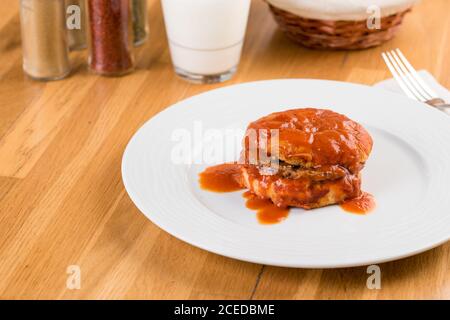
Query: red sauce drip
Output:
(266,211)
(221,178)
(361,205)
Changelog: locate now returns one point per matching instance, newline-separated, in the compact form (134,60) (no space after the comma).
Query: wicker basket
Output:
(329,34)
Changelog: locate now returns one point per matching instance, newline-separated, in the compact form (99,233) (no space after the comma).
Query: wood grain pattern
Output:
(62,201)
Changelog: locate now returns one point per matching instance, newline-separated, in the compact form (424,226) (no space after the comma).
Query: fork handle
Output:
(440,104)
(444,108)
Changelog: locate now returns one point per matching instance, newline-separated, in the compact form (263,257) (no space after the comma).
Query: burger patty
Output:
(289,171)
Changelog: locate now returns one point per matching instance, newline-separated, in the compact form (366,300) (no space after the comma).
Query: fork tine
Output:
(405,76)
(416,76)
(398,78)
(413,83)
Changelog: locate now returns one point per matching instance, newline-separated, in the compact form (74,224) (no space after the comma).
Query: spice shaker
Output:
(140,21)
(44,39)
(76,24)
(110,37)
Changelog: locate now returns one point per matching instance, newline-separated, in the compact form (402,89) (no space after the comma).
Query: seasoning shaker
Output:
(76,24)
(140,21)
(110,39)
(44,39)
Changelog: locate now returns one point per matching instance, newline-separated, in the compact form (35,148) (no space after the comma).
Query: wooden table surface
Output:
(62,201)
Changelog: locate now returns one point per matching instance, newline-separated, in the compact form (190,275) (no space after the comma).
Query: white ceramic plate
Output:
(408,172)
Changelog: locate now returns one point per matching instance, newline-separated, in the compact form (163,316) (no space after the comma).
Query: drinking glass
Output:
(205,37)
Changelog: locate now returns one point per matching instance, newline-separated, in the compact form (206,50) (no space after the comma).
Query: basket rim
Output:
(407,6)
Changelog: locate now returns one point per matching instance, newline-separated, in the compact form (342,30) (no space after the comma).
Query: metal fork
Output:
(410,81)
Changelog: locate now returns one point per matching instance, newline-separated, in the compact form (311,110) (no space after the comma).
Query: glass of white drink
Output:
(205,37)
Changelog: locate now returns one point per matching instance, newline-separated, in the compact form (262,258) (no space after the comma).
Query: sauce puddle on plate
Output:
(221,178)
(226,178)
(361,205)
(266,211)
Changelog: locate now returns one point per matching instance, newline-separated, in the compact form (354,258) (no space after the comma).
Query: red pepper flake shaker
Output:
(110,37)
